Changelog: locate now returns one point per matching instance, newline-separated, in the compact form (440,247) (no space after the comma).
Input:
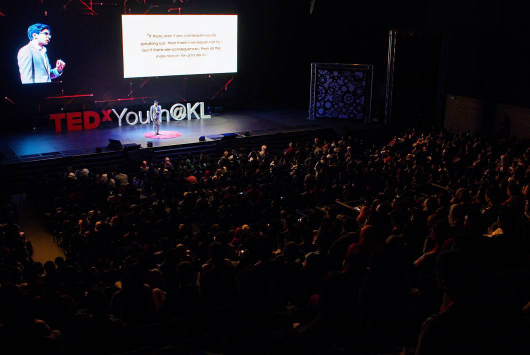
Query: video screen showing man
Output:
(33,62)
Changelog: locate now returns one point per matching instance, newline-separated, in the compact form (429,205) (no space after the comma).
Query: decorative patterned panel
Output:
(341,91)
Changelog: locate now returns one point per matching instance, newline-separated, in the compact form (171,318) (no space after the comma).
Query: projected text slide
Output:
(163,45)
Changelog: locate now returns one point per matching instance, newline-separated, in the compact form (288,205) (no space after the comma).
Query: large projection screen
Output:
(165,45)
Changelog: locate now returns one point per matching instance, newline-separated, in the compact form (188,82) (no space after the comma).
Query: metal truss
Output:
(390,70)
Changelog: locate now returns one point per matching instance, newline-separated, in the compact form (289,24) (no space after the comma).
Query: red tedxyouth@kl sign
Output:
(77,121)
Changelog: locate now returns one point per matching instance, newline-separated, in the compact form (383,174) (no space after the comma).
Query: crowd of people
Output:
(329,247)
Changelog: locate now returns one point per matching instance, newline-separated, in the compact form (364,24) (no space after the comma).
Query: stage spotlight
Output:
(202,139)
(247,134)
(149,144)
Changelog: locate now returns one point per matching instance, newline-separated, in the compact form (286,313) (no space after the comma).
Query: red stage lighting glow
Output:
(69,96)
(11,101)
(127,99)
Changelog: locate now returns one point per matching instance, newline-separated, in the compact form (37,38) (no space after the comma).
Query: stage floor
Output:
(44,140)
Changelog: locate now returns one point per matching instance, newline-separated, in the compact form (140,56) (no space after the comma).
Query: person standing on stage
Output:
(33,62)
(156,109)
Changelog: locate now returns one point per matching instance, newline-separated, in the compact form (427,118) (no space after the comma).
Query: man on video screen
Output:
(33,62)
